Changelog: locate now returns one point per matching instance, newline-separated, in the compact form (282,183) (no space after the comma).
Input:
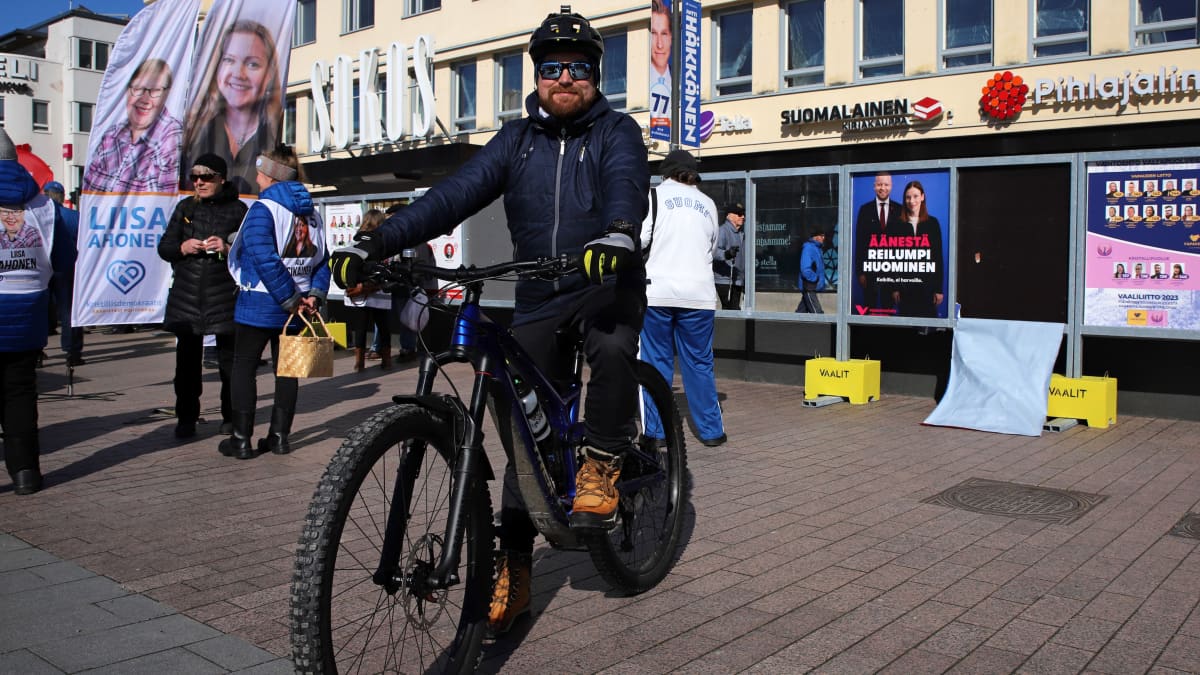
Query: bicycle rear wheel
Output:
(342,621)
(654,487)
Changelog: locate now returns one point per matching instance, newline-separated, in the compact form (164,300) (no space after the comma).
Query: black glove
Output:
(346,263)
(731,253)
(610,253)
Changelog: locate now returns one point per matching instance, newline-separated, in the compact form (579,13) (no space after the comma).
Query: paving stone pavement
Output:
(809,549)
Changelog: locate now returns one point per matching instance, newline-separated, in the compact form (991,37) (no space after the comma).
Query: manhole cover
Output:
(1048,505)
(1188,526)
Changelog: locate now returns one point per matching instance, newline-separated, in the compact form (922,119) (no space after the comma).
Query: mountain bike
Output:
(394,567)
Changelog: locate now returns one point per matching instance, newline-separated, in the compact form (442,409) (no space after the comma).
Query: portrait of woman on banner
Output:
(238,112)
(140,154)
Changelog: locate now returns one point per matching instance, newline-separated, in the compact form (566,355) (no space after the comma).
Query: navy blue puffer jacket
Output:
(23,324)
(563,184)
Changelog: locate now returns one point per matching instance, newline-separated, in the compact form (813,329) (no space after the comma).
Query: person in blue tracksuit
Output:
(275,280)
(24,303)
(63,283)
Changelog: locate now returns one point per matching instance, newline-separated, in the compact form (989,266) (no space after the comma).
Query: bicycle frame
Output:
(497,358)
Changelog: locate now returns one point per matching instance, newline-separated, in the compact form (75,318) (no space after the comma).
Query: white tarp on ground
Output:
(999,376)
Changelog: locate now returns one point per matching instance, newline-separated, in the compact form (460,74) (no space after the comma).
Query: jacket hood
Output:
(16,185)
(572,127)
(290,195)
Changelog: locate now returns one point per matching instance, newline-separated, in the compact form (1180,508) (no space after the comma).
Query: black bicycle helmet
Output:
(566,32)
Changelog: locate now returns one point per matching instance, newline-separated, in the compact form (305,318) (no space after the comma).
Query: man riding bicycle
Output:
(575,179)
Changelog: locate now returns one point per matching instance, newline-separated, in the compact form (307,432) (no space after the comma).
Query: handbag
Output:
(306,354)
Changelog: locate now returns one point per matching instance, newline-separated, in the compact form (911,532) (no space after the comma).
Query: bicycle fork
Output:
(469,466)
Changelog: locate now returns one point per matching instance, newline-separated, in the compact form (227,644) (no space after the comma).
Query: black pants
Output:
(189,374)
(730,295)
(249,342)
(362,319)
(18,409)
(610,321)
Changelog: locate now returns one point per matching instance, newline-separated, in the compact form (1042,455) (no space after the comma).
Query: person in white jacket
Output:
(680,235)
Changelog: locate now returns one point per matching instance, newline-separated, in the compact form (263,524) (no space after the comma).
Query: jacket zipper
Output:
(562,151)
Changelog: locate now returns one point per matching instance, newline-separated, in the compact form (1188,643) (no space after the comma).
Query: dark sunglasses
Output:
(206,177)
(552,70)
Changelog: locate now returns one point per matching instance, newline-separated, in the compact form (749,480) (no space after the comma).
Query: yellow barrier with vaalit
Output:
(855,379)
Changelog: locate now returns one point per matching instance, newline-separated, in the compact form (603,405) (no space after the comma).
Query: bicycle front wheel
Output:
(398,464)
(654,487)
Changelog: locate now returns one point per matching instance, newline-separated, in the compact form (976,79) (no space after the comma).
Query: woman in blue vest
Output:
(279,262)
(24,302)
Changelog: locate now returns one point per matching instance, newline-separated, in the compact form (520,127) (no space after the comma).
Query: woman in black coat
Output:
(203,293)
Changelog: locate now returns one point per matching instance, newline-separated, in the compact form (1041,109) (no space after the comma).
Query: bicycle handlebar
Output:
(403,271)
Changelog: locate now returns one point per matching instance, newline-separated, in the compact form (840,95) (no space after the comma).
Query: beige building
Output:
(1004,110)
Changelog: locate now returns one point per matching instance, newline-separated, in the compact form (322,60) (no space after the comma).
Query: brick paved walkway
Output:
(810,549)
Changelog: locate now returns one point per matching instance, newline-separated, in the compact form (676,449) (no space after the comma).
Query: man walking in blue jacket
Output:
(575,179)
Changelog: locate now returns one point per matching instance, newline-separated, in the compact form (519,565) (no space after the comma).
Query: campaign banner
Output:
(131,178)
(341,223)
(1142,266)
(900,243)
(235,105)
(661,51)
(689,90)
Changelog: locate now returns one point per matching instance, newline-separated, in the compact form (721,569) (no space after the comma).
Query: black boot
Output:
(22,461)
(238,444)
(277,437)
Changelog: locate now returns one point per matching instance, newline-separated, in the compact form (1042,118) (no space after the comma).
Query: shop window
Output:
(83,117)
(91,54)
(305,30)
(734,56)
(1014,268)
(1060,28)
(509,94)
(613,70)
(41,115)
(412,7)
(967,39)
(789,210)
(804,23)
(357,15)
(880,38)
(463,105)
(289,121)
(1165,23)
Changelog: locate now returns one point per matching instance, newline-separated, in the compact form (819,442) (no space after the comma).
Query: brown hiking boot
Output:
(510,592)
(596,493)
(358,360)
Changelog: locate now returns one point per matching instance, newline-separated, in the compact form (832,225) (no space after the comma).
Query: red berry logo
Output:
(1003,96)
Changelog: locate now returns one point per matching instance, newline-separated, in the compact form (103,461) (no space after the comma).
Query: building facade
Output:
(49,79)
(1007,114)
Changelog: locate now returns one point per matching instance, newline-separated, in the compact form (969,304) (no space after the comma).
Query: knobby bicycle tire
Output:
(637,554)
(341,621)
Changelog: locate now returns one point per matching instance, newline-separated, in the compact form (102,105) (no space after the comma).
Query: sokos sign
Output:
(334,123)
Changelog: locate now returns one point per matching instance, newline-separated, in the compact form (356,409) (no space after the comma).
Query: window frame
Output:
(861,64)
(93,54)
(291,106)
(352,11)
(508,114)
(77,117)
(619,101)
(945,52)
(410,8)
(459,122)
(1138,30)
(1,112)
(719,82)
(785,50)
(297,28)
(44,128)
(1036,41)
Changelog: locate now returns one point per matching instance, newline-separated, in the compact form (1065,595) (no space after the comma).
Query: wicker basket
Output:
(306,354)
